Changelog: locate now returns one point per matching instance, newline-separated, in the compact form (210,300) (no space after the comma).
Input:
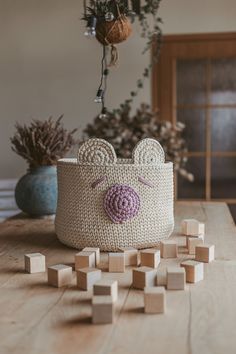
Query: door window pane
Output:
(195,128)
(223,179)
(223,129)
(223,81)
(191,82)
(196,189)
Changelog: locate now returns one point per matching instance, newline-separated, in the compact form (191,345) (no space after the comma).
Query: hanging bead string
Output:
(100,98)
(85,8)
(103,81)
(134,8)
(103,67)
(105,73)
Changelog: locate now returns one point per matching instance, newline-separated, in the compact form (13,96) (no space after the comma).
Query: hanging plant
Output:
(112,29)
(110,21)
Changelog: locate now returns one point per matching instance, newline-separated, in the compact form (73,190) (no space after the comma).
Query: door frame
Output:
(164,100)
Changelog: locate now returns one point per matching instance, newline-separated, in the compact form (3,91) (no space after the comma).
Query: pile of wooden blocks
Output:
(154,281)
(195,235)
(105,291)
(147,275)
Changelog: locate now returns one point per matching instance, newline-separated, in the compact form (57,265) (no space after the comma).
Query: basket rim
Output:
(120,163)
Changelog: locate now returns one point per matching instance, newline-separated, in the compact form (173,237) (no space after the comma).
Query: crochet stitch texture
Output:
(107,202)
(121,203)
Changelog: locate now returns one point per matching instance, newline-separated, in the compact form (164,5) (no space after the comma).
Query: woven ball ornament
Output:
(113,32)
(121,203)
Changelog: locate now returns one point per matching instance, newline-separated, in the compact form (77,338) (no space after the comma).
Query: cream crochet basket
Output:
(110,203)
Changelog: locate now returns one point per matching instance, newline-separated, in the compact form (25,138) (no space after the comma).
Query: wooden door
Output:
(195,83)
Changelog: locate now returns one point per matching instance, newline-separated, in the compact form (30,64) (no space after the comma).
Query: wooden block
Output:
(116,262)
(161,277)
(144,277)
(192,242)
(201,228)
(202,236)
(169,249)
(87,277)
(154,299)
(205,253)
(131,255)
(106,287)
(102,309)
(191,227)
(35,263)
(194,270)
(59,275)
(85,259)
(176,278)
(97,253)
(150,257)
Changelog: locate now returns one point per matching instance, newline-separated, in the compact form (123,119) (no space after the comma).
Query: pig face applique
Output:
(115,202)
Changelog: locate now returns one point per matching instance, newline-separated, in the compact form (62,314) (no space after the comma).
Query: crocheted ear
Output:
(148,152)
(96,152)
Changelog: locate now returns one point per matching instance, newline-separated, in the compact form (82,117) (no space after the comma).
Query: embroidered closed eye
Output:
(98,181)
(146,182)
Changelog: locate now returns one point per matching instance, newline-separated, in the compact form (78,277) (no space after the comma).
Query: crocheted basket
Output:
(110,203)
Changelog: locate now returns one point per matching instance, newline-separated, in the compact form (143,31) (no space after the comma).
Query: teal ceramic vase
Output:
(36,191)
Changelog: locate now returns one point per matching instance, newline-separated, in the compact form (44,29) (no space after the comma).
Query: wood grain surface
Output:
(36,318)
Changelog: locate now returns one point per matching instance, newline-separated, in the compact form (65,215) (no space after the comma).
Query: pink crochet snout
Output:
(121,203)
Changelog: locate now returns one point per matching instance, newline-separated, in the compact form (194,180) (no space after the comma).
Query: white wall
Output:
(48,67)
(201,16)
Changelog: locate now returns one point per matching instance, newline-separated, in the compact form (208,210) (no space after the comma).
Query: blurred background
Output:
(49,68)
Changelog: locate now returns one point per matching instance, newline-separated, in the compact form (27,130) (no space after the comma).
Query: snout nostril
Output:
(121,203)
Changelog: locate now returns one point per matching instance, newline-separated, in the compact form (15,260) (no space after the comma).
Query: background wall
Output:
(47,66)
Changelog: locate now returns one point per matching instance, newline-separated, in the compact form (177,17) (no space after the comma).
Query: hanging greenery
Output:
(110,21)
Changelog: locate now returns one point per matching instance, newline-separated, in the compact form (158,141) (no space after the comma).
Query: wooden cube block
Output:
(154,299)
(87,277)
(131,255)
(161,276)
(169,249)
(97,253)
(194,270)
(201,228)
(144,277)
(150,257)
(35,263)
(116,262)
(106,287)
(205,253)
(84,259)
(192,242)
(176,278)
(102,309)
(191,227)
(59,275)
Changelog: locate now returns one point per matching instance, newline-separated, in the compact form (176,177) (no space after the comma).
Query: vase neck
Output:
(42,170)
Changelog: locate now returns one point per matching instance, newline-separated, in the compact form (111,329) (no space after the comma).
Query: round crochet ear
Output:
(96,152)
(148,152)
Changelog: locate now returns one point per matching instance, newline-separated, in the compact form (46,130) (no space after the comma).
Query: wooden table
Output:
(39,319)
